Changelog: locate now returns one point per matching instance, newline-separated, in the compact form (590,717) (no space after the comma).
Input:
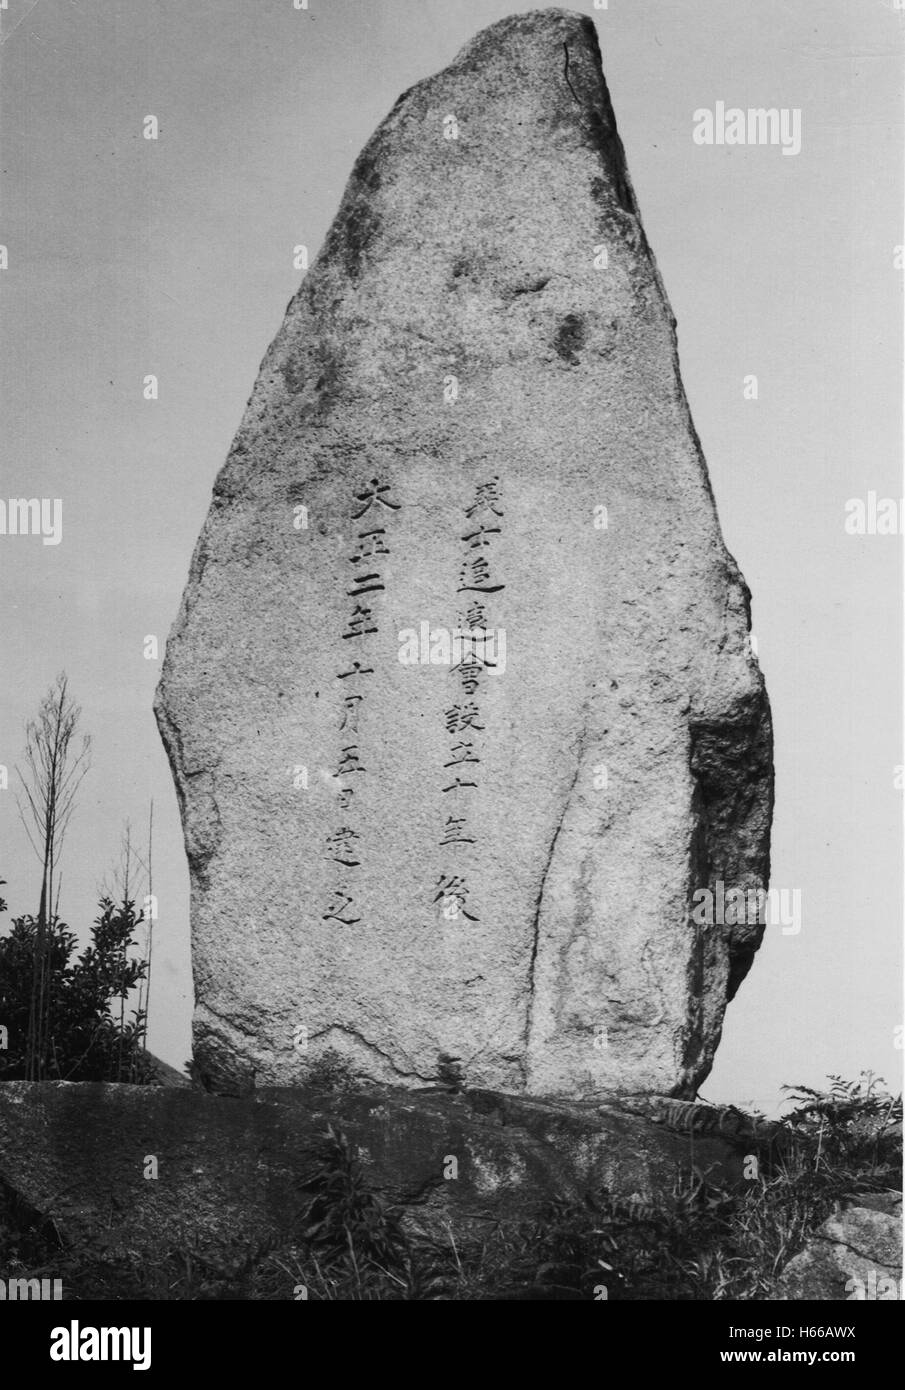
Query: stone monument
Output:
(461,704)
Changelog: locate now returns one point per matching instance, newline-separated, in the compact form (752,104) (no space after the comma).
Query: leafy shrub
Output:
(84,1034)
(351,1230)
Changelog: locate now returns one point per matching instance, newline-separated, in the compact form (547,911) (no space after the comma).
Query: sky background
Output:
(175,257)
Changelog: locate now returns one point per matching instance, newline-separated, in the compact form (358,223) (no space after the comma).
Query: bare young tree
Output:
(53,772)
(133,880)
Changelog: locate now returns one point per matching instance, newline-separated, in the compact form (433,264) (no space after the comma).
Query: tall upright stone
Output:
(476,858)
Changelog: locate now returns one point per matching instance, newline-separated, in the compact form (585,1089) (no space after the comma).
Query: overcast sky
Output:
(128,256)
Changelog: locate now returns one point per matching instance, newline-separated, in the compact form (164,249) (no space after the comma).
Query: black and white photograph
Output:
(451,721)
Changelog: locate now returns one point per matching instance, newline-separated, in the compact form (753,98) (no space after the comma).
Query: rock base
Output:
(140,1171)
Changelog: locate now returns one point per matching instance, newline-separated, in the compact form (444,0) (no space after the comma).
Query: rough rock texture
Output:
(471,418)
(229,1169)
(856,1255)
